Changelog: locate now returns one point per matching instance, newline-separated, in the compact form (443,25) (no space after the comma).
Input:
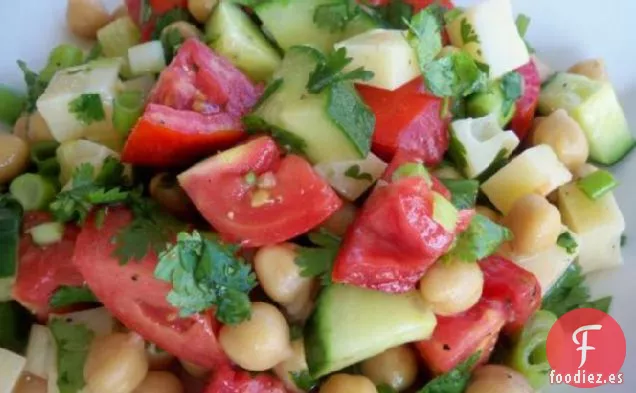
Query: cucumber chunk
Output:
(596,108)
(10,221)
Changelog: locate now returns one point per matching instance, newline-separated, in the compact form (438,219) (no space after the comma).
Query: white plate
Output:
(562,32)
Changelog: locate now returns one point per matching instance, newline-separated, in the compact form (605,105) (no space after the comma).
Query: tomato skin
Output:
(41,270)
(417,4)
(194,110)
(162,6)
(394,239)
(407,119)
(456,338)
(297,202)
(517,289)
(228,380)
(404,157)
(526,106)
(158,7)
(136,298)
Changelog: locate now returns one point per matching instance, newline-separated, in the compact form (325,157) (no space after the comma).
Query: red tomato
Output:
(41,270)
(228,380)
(162,6)
(157,7)
(195,109)
(514,287)
(417,4)
(404,157)
(521,122)
(137,299)
(407,119)
(394,239)
(456,338)
(296,200)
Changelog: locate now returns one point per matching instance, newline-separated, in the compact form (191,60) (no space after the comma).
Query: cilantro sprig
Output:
(512,89)
(67,296)
(205,273)
(425,34)
(87,108)
(455,75)
(329,71)
(454,381)
(318,261)
(35,85)
(568,242)
(72,343)
(335,16)
(481,239)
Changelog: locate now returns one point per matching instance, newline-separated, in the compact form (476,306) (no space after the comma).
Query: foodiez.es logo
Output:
(586,348)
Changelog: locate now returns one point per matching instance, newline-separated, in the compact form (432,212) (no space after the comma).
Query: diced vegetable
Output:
(349,324)
(10,221)
(72,343)
(43,156)
(15,321)
(118,36)
(80,97)
(72,154)
(488,32)
(142,84)
(596,108)
(526,106)
(47,233)
(477,143)
(61,57)
(38,351)
(11,105)
(444,213)
(536,170)
(352,178)
(34,192)
(127,109)
(597,184)
(490,102)
(146,58)
(411,169)
(384,52)
(11,366)
(598,223)
(98,320)
(231,33)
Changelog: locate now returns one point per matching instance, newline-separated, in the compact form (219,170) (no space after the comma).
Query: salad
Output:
(300,196)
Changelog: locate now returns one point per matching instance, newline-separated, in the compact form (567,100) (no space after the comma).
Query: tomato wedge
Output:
(195,109)
(228,380)
(146,18)
(407,119)
(517,289)
(253,196)
(136,298)
(41,270)
(404,157)
(526,106)
(457,338)
(417,4)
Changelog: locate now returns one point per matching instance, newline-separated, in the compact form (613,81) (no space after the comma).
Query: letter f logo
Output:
(583,344)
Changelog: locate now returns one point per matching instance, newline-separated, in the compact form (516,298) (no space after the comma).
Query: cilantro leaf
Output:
(567,241)
(512,88)
(355,172)
(395,14)
(467,32)
(455,75)
(329,71)
(73,343)
(303,380)
(424,34)
(571,292)
(67,296)
(206,273)
(451,15)
(87,108)
(35,86)
(335,16)
(454,381)
(171,41)
(463,192)
(318,261)
(481,239)
(523,22)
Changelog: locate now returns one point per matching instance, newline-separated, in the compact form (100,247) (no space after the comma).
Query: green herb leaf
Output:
(451,15)
(512,88)
(523,22)
(455,75)
(454,381)
(481,239)
(467,32)
(355,172)
(171,41)
(67,296)
(329,71)
(87,108)
(425,35)
(35,86)
(571,292)
(463,192)
(206,273)
(318,261)
(73,343)
(395,14)
(166,19)
(567,241)
(335,16)
(303,380)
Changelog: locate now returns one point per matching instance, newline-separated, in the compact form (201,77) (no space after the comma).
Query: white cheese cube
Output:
(99,77)
(38,350)
(476,143)
(535,171)
(146,58)
(72,154)
(599,223)
(11,366)
(384,52)
(487,31)
(352,178)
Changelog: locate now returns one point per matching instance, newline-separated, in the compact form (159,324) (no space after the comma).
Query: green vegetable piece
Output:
(454,381)
(11,105)
(318,261)
(444,213)
(73,344)
(47,234)
(494,100)
(176,14)
(334,16)
(412,169)
(127,109)
(303,380)
(396,14)
(482,238)
(61,57)
(42,151)
(597,184)
(468,32)
(87,108)
(68,296)
(455,75)
(425,35)
(34,192)
(95,53)
(16,322)
(567,241)
(528,355)
(35,86)
(118,36)
(10,221)
(329,71)
(355,172)
(463,192)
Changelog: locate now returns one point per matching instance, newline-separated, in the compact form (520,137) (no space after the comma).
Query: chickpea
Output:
(498,379)
(535,224)
(488,212)
(193,369)
(201,9)
(39,131)
(396,367)
(85,17)
(14,157)
(279,275)
(296,362)
(592,68)
(116,363)
(21,128)
(165,190)
(259,343)
(564,135)
(452,287)
(341,220)
(346,383)
(29,383)
(119,12)
(160,382)
(158,359)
